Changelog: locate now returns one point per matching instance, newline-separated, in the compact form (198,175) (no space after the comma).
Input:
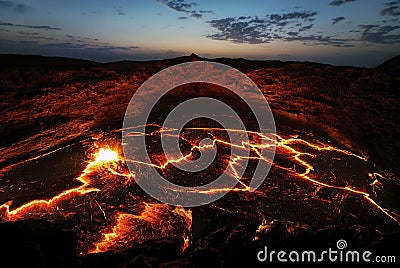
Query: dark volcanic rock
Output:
(237,238)
(36,243)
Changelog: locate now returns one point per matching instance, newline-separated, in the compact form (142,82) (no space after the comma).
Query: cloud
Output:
(182,18)
(17,7)
(30,38)
(379,34)
(306,28)
(388,4)
(27,33)
(338,19)
(78,46)
(256,30)
(178,5)
(120,11)
(196,15)
(41,27)
(206,11)
(313,40)
(6,4)
(295,27)
(108,53)
(390,11)
(40,38)
(302,15)
(70,49)
(240,30)
(21,8)
(340,2)
(73,42)
(288,27)
(185,7)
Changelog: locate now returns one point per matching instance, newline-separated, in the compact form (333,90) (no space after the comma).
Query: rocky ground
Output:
(49,102)
(45,102)
(40,244)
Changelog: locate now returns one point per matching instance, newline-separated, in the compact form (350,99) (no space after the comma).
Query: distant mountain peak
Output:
(194,57)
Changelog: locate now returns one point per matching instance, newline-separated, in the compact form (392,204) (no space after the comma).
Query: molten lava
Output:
(106,155)
(154,222)
(107,213)
(157,221)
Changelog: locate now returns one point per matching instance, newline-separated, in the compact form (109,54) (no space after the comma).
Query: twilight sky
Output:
(339,32)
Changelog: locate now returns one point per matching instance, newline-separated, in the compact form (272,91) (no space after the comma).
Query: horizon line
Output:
(197,56)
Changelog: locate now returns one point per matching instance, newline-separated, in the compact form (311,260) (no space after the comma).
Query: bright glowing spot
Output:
(106,155)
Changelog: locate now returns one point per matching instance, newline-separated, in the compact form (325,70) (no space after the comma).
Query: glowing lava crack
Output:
(114,219)
(102,158)
(156,221)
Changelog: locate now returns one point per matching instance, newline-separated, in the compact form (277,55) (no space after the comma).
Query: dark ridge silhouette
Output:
(391,66)
(42,62)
